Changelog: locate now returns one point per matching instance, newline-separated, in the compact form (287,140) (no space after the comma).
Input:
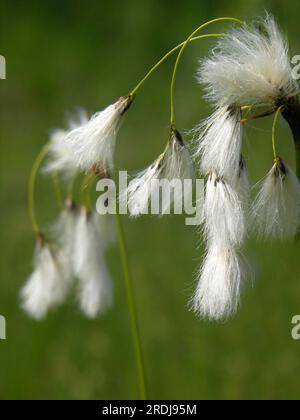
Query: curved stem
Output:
(183,47)
(132,309)
(164,58)
(31,188)
(279,110)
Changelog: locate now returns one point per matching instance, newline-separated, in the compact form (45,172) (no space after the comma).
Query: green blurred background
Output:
(65,54)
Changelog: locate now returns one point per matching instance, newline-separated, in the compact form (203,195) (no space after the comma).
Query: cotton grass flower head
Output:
(220,281)
(61,159)
(93,143)
(249,65)
(242,184)
(47,286)
(223,212)
(63,232)
(174,166)
(276,211)
(219,142)
(89,265)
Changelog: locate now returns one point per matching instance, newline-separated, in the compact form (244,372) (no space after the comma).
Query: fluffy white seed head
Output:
(276,211)
(63,233)
(220,282)
(242,184)
(47,286)
(94,284)
(219,142)
(61,159)
(223,213)
(249,65)
(93,143)
(174,166)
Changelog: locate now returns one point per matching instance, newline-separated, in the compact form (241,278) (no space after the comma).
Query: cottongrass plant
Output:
(174,164)
(277,206)
(250,65)
(89,265)
(60,156)
(220,142)
(77,259)
(222,278)
(92,144)
(248,70)
(48,284)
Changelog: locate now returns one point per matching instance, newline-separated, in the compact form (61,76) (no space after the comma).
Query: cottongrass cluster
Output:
(73,253)
(251,67)
(72,257)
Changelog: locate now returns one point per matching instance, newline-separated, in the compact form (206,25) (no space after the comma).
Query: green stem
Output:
(132,309)
(183,47)
(164,58)
(31,188)
(278,112)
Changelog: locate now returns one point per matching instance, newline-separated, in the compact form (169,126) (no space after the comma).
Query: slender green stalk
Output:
(183,47)
(132,310)
(31,188)
(165,57)
(278,112)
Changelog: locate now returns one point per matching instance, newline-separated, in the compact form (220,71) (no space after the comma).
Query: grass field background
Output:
(64,55)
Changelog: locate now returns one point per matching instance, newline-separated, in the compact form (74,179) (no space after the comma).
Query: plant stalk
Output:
(165,57)
(132,309)
(31,188)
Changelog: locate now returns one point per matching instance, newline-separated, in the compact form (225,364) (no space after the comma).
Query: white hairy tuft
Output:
(94,283)
(223,213)
(61,159)
(249,65)
(172,167)
(93,143)
(62,232)
(219,142)
(47,286)
(219,284)
(276,211)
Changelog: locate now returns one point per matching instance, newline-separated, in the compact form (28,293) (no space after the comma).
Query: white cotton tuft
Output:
(220,283)
(249,65)
(94,283)
(223,213)
(47,286)
(242,184)
(93,143)
(63,232)
(170,170)
(61,159)
(276,211)
(219,142)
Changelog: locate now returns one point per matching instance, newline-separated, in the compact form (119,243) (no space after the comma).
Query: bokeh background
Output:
(67,54)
